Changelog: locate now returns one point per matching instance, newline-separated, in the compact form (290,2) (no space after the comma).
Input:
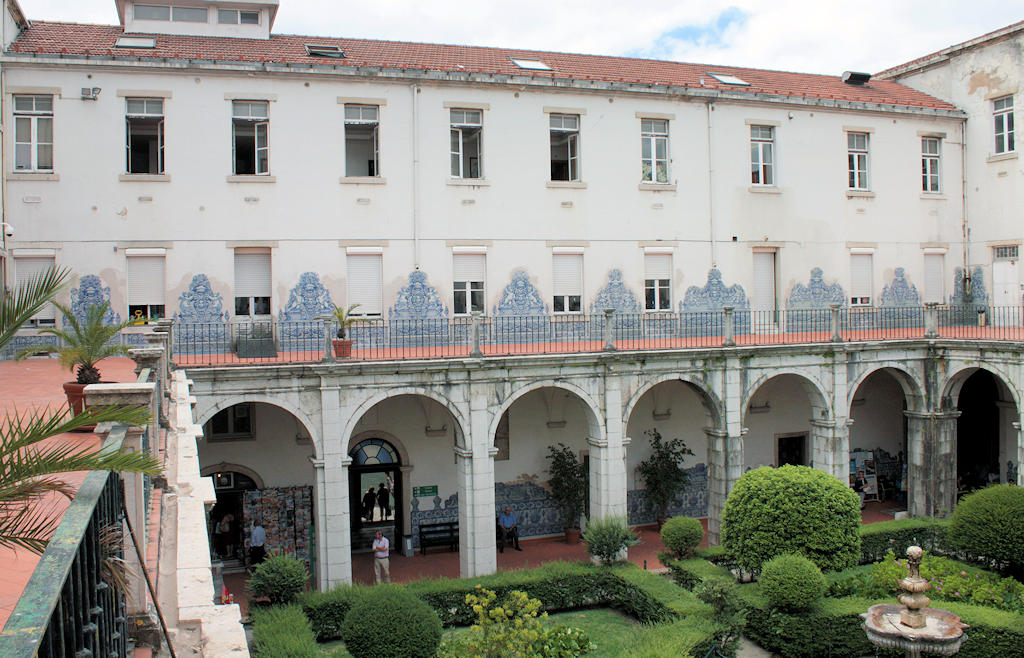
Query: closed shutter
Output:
(658,266)
(252,274)
(365,280)
(27,268)
(860,278)
(933,277)
(568,274)
(145,280)
(469,267)
(764,281)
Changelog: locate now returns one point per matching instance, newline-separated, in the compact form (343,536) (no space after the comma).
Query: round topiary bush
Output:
(278,578)
(791,582)
(990,524)
(391,623)
(792,509)
(681,535)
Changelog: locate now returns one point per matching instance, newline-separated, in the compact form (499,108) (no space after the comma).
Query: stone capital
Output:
(133,394)
(596,442)
(318,464)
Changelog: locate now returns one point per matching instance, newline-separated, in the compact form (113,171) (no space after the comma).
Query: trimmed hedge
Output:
(791,582)
(282,632)
(990,523)
(391,624)
(278,578)
(877,539)
(681,535)
(690,573)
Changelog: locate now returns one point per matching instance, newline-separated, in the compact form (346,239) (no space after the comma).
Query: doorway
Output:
(230,487)
(792,449)
(375,465)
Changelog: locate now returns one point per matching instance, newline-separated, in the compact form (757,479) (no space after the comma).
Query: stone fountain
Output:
(913,626)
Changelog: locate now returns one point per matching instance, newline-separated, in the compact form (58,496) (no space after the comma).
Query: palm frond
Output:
(27,527)
(28,299)
(24,429)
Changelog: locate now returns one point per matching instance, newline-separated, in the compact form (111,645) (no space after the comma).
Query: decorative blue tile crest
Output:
(520,297)
(91,292)
(978,296)
(199,303)
(714,296)
(418,300)
(899,292)
(692,501)
(307,300)
(816,294)
(615,295)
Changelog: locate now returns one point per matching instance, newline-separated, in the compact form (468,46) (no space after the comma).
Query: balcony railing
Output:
(67,608)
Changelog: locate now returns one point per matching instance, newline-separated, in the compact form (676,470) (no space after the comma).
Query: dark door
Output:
(793,450)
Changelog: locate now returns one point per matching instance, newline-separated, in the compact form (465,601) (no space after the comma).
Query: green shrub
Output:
(391,623)
(791,582)
(876,539)
(326,610)
(607,539)
(990,524)
(278,578)
(681,535)
(792,509)
(282,632)
(690,573)
(670,640)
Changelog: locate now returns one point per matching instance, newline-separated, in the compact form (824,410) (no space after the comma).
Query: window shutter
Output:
(764,281)
(252,275)
(145,280)
(24,271)
(933,277)
(568,274)
(469,267)
(860,275)
(658,266)
(365,280)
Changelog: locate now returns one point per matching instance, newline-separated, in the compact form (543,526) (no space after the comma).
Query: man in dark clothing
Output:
(384,501)
(509,527)
(369,502)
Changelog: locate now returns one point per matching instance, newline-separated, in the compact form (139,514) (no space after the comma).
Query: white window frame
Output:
(189,14)
(32,118)
(241,115)
(571,304)
(362,114)
(150,312)
(235,17)
(934,258)
(151,108)
(656,285)
(378,302)
(762,155)
(654,132)
(567,127)
(464,122)
(860,301)
(46,317)
(857,160)
(931,165)
(250,299)
(135,12)
(1002,124)
(468,296)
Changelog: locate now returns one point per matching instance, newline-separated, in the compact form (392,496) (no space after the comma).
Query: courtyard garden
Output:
(793,574)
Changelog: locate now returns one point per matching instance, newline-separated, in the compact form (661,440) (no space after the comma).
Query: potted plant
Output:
(568,488)
(343,344)
(82,346)
(662,472)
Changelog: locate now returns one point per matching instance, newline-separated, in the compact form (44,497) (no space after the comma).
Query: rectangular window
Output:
(235,422)
(930,164)
(565,147)
(189,14)
(365,281)
(764,297)
(568,283)
(1002,114)
(26,269)
(654,150)
(860,279)
(857,160)
(235,16)
(144,119)
(762,155)
(250,128)
(933,288)
(252,283)
(657,282)
(33,133)
(362,140)
(152,12)
(466,129)
(469,272)
(145,276)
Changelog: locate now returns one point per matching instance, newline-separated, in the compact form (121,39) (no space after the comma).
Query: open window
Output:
(565,147)
(144,127)
(466,129)
(250,143)
(362,140)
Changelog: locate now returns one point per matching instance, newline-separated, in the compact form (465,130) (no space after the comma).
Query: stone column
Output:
(608,482)
(478,553)
(320,507)
(1017,456)
(152,358)
(335,536)
(830,447)
(931,462)
(725,467)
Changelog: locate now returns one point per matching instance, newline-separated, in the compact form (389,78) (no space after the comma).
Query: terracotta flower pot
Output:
(342,347)
(572,535)
(75,393)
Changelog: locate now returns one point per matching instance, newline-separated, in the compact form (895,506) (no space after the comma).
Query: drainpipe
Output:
(415,176)
(964,226)
(711,171)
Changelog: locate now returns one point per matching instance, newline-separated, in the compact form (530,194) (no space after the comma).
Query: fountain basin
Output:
(942,634)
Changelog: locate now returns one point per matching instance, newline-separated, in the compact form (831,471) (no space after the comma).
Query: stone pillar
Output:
(830,447)
(931,319)
(608,482)
(931,462)
(335,537)
(1019,434)
(725,467)
(152,358)
(478,553)
(320,507)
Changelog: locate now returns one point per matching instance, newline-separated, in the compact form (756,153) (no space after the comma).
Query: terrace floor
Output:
(36,383)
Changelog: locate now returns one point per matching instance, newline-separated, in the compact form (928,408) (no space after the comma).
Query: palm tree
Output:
(83,345)
(30,467)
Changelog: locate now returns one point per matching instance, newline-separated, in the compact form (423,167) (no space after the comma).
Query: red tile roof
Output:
(1001,33)
(76,39)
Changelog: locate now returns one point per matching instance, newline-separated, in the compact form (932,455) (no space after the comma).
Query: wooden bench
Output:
(439,534)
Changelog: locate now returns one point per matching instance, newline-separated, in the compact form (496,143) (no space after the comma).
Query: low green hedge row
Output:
(876,539)
(690,573)
(282,632)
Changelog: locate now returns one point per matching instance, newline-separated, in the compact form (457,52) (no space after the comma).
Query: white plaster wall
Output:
(878,420)
(789,413)
(687,422)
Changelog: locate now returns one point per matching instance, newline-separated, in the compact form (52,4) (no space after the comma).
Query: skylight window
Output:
(135,42)
(315,50)
(725,78)
(531,64)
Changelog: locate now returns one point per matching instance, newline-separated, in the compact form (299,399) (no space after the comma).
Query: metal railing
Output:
(67,608)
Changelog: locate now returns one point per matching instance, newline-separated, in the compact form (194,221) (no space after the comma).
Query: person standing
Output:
(509,526)
(225,542)
(381,557)
(384,501)
(257,545)
(369,502)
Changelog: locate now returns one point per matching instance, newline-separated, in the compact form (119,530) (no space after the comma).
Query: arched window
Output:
(372,452)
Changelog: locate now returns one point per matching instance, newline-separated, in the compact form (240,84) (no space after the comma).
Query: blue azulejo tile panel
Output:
(520,298)
(900,303)
(616,296)
(535,510)
(446,511)
(18,343)
(693,501)
(91,292)
(200,321)
(808,305)
(308,300)
(419,317)
(702,307)
(966,302)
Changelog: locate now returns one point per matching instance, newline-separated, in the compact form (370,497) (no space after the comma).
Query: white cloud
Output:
(814,36)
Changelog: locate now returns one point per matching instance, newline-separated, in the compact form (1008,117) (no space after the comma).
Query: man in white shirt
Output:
(257,545)
(381,559)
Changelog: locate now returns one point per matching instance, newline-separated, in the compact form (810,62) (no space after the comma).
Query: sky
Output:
(823,36)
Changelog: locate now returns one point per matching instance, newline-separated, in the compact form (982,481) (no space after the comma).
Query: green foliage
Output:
(278,578)
(876,539)
(282,632)
(681,535)
(690,573)
(671,640)
(791,582)
(389,622)
(662,472)
(792,509)
(512,629)
(85,343)
(723,597)
(990,524)
(344,319)
(607,538)
(326,610)
(568,483)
